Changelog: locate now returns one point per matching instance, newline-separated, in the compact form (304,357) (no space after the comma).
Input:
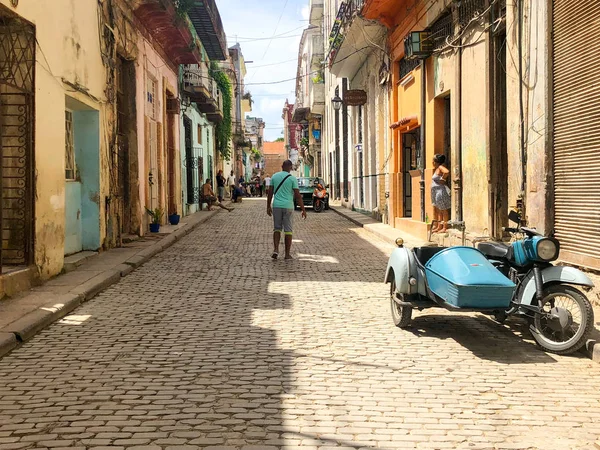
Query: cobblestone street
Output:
(213,345)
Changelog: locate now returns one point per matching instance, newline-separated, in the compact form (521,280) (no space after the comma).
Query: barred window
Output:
(406,66)
(442,29)
(69,146)
(469,9)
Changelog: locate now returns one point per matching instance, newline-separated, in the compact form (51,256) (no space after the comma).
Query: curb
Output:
(24,328)
(592,347)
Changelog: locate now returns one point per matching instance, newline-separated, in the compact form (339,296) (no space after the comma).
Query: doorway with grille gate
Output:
(17,86)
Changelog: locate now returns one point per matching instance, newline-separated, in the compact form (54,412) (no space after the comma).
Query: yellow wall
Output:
(67,33)
(475,137)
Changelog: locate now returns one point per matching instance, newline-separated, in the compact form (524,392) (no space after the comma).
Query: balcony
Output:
(202,90)
(316,12)
(316,96)
(207,21)
(317,52)
(173,33)
(349,32)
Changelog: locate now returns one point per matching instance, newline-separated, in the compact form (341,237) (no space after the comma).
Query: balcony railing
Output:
(348,10)
(203,90)
(197,80)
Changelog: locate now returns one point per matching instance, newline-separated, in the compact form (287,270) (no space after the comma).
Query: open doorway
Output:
(499,151)
(172,109)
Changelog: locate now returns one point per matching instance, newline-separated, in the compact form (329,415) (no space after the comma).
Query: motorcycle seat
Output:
(494,249)
(424,254)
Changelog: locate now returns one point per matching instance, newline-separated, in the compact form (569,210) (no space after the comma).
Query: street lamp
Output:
(337,102)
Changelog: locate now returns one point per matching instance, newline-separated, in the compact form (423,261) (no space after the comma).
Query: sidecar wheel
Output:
(401,315)
(566,322)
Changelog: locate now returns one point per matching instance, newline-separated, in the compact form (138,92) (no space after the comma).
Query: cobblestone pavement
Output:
(213,345)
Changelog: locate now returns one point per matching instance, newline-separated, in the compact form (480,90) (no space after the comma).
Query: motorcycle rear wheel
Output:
(401,315)
(580,320)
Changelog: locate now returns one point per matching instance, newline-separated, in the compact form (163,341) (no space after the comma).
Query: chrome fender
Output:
(562,274)
(403,265)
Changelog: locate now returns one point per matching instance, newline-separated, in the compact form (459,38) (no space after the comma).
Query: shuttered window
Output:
(576,131)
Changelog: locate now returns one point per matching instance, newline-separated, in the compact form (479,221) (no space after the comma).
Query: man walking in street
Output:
(231,184)
(282,192)
(220,186)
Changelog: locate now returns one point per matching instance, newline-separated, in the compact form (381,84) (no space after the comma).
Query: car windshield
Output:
(306,182)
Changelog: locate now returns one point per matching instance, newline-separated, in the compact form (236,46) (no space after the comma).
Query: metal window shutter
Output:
(576,110)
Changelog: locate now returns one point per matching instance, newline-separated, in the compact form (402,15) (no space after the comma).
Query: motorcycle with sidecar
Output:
(502,280)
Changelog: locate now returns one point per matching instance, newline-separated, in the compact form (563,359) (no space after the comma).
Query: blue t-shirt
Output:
(284,198)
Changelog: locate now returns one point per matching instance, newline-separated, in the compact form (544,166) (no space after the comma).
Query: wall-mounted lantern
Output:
(337,102)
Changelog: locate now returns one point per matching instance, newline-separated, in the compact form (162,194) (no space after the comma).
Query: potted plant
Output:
(174,218)
(157,216)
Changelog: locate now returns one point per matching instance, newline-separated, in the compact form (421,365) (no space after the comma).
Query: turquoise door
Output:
(73,226)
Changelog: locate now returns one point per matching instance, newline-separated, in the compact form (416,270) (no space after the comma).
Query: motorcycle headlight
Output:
(547,249)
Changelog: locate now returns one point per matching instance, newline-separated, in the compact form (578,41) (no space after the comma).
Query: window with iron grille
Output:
(69,147)
(441,30)
(406,66)
(468,9)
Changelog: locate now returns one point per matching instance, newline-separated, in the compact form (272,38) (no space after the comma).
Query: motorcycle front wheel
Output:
(319,206)
(565,321)
(401,315)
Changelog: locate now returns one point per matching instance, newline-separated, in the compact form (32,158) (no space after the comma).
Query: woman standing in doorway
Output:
(440,194)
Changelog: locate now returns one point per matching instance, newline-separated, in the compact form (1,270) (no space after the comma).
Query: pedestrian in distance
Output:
(231,184)
(282,192)
(210,198)
(267,182)
(220,186)
(440,194)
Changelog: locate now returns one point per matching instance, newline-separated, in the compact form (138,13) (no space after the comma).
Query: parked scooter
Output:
(319,198)
(497,279)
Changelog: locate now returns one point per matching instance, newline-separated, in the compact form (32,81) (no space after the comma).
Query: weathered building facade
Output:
(358,126)
(489,85)
(310,97)
(108,99)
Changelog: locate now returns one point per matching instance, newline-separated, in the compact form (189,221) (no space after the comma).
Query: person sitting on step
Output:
(210,198)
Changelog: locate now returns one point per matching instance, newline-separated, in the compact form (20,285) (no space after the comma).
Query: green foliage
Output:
(184,6)
(256,155)
(156,215)
(223,129)
(304,142)
(279,139)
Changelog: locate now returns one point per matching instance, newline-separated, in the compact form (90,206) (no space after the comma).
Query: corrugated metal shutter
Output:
(576,81)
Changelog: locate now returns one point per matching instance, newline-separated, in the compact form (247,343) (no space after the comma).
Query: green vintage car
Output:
(306,186)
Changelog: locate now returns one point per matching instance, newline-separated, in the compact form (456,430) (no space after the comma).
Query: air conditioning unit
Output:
(418,44)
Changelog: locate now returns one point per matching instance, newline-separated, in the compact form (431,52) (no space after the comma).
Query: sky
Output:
(253,23)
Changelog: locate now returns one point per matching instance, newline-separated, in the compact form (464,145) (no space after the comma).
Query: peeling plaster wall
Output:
(475,136)
(67,32)
(537,83)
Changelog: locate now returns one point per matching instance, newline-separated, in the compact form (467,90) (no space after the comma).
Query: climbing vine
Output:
(223,128)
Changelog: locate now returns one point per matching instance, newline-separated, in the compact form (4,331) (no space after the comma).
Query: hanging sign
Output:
(355,97)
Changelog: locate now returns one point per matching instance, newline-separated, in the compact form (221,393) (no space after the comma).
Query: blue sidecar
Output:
(496,279)
(455,278)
